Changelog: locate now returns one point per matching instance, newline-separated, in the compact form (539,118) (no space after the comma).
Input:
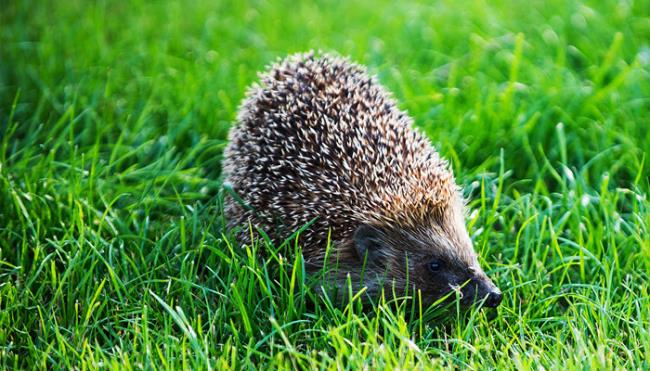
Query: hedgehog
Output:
(320,143)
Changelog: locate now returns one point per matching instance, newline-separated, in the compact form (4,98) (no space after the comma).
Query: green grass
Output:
(114,116)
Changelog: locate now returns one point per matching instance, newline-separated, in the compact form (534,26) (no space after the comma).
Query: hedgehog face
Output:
(435,258)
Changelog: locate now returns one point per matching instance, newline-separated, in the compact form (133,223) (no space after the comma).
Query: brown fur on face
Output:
(434,258)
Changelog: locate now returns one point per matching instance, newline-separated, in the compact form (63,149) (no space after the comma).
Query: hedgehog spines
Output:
(320,138)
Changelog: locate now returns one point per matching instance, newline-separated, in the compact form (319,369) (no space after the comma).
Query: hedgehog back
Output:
(320,139)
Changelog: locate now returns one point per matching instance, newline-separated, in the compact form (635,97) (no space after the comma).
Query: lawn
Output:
(114,116)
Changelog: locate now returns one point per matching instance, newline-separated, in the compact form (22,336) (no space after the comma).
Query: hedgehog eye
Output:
(435,265)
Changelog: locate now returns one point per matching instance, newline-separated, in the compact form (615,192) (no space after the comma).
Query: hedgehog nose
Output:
(490,294)
(493,299)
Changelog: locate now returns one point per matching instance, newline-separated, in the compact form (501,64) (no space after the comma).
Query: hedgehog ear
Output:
(367,241)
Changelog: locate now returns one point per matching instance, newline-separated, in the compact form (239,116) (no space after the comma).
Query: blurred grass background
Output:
(114,115)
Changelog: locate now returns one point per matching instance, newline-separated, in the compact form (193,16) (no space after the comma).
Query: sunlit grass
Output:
(114,116)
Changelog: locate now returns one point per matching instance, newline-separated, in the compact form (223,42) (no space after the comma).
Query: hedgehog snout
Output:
(482,289)
(490,293)
(493,297)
